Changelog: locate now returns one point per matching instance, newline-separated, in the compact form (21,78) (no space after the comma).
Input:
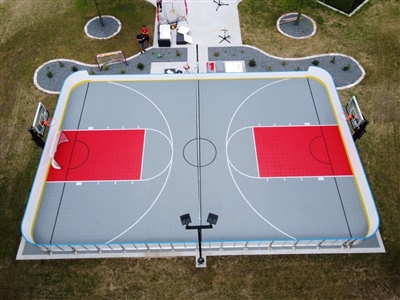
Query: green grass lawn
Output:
(35,31)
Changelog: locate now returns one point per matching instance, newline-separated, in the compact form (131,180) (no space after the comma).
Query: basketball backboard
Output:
(355,115)
(42,114)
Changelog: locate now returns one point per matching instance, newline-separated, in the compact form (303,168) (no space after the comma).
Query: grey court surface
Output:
(199,157)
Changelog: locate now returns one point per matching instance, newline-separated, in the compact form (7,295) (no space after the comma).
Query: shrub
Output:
(122,71)
(315,62)
(269,68)
(333,60)
(60,64)
(284,63)
(216,53)
(177,53)
(140,66)
(346,67)
(105,67)
(297,69)
(91,72)
(252,63)
(49,74)
(74,68)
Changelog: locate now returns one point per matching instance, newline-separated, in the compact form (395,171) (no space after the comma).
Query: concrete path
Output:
(207,22)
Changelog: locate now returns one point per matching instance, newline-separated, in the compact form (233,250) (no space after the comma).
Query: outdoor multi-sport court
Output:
(270,153)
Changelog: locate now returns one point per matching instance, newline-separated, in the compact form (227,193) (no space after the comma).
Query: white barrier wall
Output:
(81,77)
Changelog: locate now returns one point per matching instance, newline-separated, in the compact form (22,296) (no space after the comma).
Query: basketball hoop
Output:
(187,68)
(49,122)
(345,116)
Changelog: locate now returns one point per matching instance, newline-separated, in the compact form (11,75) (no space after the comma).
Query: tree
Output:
(98,11)
(299,14)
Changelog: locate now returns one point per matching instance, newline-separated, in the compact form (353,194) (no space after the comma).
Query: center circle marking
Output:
(208,152)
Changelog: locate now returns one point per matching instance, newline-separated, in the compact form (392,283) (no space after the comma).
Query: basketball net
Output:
(49,122)
(59,138)
(172,12)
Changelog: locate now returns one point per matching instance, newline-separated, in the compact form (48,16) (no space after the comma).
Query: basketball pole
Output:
(35,137)
(359,132)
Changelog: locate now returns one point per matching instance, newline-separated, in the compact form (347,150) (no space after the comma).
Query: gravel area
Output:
(111,27)
(305,28)
(333,63)
(61,68)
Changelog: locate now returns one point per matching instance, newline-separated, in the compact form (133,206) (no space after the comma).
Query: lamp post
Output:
(211,220)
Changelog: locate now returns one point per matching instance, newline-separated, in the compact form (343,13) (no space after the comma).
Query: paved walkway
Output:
(206,24)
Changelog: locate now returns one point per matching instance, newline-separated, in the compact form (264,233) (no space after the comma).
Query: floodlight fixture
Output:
(212,219)
(186,220)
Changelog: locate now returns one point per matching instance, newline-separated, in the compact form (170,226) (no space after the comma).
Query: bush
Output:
(60,64)
(333,60)
(105,67)
(315,62)
(122,71)
(91,72)
(140,66)
(283,62)
(252,63)
(49,74)
(216,53)
(74,68)
(319,20)
(346,67)
(297,69)
(269,68)
(177,53)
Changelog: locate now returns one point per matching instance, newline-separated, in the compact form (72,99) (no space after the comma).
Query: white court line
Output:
(276,177)
(144,147)
(229,164)
(256,211)
(170,165)
(255,150)
(170,161)
(141,179)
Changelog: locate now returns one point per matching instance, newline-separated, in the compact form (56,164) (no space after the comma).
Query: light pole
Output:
(211,220)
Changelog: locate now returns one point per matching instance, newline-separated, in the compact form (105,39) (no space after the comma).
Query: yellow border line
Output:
(196,78)
(347,153)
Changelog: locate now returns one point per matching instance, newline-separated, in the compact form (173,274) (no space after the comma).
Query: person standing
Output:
(141,41)
(145,32)
(159,5)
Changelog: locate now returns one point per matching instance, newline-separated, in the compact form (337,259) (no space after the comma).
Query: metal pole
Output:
(200,261)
